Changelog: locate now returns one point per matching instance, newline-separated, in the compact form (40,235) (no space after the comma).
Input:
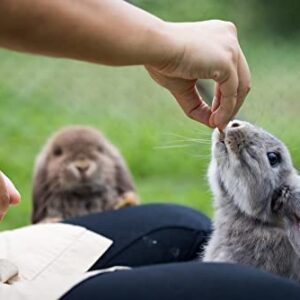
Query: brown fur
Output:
(79,172)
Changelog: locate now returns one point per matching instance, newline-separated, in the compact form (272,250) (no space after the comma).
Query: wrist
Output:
(160,44)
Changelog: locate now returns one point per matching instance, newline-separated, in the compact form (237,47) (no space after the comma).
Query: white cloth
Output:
(51,259)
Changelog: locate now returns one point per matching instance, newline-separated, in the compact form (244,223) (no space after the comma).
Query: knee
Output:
(183,215)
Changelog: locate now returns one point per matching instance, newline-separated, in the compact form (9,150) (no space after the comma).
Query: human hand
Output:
(8,195)
(204,50)
(175,54)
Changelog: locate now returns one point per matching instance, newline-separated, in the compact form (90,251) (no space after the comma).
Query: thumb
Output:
(13,194)
(227,98)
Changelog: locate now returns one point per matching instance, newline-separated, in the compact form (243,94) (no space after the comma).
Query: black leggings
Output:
(161,242)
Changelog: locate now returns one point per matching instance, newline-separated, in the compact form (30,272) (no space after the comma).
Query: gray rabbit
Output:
(257,201)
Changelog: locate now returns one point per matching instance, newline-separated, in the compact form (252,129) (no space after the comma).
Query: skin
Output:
(8,194)
(113,32)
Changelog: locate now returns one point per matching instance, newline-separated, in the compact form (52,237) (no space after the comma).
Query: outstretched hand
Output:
(204,50)
(8,194)
(117,33)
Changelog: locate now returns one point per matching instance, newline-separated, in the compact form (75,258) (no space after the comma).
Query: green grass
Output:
(39,95)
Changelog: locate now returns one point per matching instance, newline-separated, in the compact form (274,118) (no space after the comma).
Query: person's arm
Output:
(114,32)
(109,32)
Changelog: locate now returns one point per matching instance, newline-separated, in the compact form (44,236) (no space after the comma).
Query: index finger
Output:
(4,196)
(244,81)
(228,100)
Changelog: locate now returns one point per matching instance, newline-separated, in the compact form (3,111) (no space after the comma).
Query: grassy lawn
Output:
(39,95)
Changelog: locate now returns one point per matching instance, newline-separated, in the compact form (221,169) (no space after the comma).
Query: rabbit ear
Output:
(38,191)
(123,177)
(124,182)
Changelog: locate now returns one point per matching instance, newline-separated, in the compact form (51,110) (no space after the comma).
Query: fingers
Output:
(186,94)
(244,81)
(193,105)
(225,101)
(4,197)
(230,95)
(13,193)
(217,98)
(8,194)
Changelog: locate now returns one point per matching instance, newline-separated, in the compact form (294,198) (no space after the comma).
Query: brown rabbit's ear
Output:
(123,177)
(38,190)
(124,180)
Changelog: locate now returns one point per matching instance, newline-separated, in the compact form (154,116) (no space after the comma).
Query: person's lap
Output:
(160,241)
(187,281)
(149,234)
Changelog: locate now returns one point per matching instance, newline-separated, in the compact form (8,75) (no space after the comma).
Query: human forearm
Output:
(114,32)
(103,31)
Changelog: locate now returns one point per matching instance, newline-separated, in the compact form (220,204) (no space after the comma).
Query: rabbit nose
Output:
(235,124)
(82,166)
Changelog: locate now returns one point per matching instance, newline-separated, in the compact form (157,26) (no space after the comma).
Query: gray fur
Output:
(256,204)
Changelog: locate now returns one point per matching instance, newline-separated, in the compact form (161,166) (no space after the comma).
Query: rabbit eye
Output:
(274,158)
(57,151)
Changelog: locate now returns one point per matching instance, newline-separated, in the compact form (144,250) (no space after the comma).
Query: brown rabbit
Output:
(79,172)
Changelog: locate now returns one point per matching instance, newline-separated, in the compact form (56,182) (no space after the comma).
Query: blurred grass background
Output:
(39,95)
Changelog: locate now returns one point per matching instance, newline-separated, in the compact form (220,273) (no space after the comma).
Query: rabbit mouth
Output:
(230,140)
(87,189)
